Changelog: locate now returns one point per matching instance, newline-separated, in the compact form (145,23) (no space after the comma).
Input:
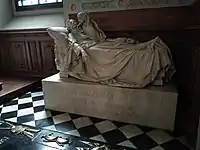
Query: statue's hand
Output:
(84,56)
(84,47)
(77,51)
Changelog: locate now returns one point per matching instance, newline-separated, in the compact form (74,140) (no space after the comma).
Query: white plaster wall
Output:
(37,21)
(37,12)
(57,17)
(34,19)
(5,12)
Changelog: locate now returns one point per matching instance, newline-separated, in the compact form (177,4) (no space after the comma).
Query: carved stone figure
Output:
(90,27)
(82,51)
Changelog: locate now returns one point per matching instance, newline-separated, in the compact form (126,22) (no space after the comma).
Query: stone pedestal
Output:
(151,106)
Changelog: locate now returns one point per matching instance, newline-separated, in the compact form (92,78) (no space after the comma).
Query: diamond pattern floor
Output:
(29,109)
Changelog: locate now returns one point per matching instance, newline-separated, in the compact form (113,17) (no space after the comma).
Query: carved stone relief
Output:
(133,3)
(75,6)
(107,4)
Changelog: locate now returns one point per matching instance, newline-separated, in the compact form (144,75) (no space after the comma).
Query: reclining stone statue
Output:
(83,51)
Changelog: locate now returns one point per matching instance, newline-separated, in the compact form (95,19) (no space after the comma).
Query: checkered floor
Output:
(29,109)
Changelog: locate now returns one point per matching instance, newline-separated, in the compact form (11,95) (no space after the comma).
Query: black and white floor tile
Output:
(29,109)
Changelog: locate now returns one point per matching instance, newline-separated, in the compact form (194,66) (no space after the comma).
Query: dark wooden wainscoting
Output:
(27,53)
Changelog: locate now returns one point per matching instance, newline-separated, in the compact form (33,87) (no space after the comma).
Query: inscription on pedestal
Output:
(90,94)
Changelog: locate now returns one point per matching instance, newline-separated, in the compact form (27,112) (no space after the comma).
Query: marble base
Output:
(152,106)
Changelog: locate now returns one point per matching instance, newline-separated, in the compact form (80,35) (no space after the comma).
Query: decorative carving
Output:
(73,7)
(106,4)
(115,5)
(121,3)
(133,3)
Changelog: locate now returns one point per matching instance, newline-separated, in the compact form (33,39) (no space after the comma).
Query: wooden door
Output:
(4,62)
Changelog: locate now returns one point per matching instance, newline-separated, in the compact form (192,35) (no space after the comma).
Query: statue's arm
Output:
(84,37)
(78,49)
(58,29)
(63,37)
(96,27)
(55,32)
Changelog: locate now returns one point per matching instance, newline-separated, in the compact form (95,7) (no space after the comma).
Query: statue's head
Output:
(71,24)
(82,16)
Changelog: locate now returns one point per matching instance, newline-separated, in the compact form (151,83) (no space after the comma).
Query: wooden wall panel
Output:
(18,56)
(142,19)
(195,13)
(33,56)
(1,56)
(193,111)
(28,53)
(5,62)
(47,54)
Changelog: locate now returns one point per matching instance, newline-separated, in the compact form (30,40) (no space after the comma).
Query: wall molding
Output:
(75,6)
